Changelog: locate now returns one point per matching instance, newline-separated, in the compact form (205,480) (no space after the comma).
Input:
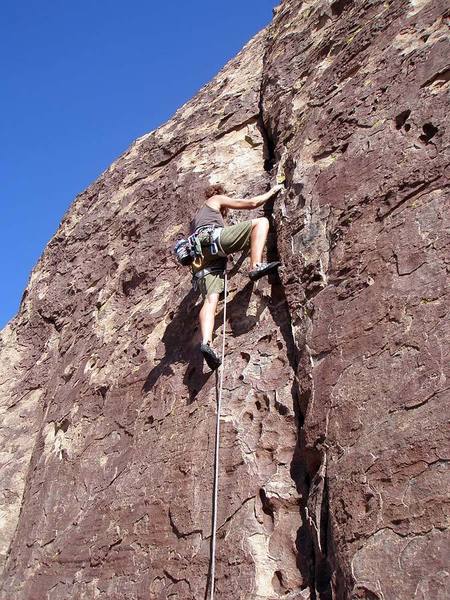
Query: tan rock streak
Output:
(334,449)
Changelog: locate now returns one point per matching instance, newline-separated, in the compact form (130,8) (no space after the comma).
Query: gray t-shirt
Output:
(207,216)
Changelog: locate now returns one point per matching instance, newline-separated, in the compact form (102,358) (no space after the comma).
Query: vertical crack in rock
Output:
(308,468)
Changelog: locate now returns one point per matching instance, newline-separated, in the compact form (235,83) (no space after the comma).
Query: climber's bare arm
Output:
(218,202)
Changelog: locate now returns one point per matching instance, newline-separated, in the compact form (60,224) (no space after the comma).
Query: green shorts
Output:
(232,239)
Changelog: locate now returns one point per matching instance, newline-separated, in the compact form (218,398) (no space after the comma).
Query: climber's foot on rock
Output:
(263,269)
(211,358)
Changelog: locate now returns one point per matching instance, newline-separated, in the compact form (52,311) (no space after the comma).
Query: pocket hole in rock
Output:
(429,131)
(401,119)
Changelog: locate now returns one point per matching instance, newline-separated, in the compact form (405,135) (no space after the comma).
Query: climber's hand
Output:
(277,188)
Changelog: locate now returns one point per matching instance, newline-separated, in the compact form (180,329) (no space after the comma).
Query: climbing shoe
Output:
(211,358)
(263,269)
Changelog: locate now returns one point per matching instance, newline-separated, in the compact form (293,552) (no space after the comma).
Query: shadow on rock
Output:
(180,341)
(240,323)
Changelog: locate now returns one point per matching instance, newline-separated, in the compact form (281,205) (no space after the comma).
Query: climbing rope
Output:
(216,451)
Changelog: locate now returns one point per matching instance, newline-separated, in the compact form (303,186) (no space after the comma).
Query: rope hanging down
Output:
(216,451)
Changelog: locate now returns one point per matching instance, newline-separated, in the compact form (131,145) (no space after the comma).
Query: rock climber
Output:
(218,241)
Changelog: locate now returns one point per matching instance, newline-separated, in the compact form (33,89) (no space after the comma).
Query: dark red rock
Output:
(365,145)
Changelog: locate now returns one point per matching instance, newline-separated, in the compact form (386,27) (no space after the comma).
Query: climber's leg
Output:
(260,229)
(249,233)
(210,286)
(207,316)
(258,238)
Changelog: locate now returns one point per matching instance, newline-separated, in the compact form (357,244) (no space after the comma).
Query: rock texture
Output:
(334,447)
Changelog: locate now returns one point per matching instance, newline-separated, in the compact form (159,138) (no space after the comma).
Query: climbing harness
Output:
(217,445)
(192,247)
(213,238)
(188,251)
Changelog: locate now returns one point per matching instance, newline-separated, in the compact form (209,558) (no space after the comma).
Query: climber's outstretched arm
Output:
(218,202)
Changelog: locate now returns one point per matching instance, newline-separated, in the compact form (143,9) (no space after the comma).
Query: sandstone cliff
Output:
(333,427)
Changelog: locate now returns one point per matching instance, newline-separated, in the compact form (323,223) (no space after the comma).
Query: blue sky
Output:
(80,81)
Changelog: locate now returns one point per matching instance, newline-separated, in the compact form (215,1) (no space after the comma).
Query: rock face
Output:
(333,447)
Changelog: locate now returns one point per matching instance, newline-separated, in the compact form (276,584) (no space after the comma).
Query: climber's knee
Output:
(210,302)
(261,223)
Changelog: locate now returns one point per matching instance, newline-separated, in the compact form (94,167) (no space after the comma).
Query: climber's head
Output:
(217,190)
(214,190)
